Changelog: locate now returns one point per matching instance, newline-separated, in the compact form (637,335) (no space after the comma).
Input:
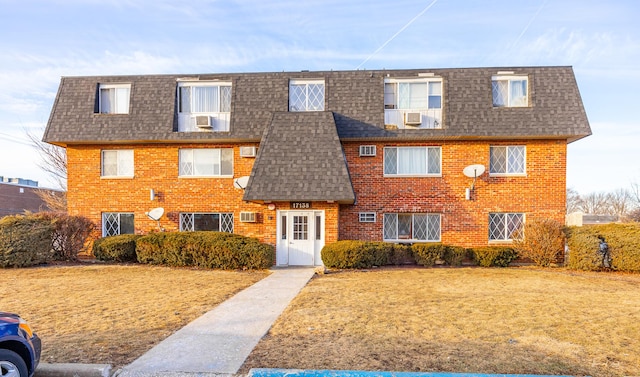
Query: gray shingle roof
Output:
(300,159)
(355,97)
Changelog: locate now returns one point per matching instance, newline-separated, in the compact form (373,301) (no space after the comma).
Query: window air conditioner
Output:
(247,151)
(412,119)
(203,121)
(247,217)
(367,150)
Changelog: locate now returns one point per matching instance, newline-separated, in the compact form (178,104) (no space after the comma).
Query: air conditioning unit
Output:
(203,121)
(367,150)
(247,217)
(412,119)
(247,151)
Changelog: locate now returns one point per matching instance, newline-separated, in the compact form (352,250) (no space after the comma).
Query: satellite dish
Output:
(155,214)
(473,171)
(241,182)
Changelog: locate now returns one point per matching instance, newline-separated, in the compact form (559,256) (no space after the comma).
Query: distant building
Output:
(580,219)
(19,195)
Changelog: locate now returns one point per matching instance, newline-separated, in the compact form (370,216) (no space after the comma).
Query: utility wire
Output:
(397,33)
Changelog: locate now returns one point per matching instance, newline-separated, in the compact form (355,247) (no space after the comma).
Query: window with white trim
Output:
(114,98)
(507,160)
(414,94)
(412,161)
(306,95)
(209,162)
(218,222)
(115,223)
(411,227)
(204,97)
(505,226)
(510,91)
(117,163)
(367,217)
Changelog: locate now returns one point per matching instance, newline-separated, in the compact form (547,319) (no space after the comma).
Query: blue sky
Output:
(44,40)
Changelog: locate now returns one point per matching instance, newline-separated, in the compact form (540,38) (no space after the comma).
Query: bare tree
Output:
(619,202)
(595,203)
(634,193)
(573,200)
(53,160)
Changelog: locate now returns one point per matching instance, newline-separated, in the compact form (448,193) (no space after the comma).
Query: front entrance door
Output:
(301,238)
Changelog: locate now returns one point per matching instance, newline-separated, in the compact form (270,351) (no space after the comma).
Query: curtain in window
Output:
(206,162)
(226,161)
(204,99)
(390,96)
(109,163)
(413,95)
(518,93)
(107,101)
(225,99)
(121,100)
(516,159)
(125,163)
(498,160)
(412,160)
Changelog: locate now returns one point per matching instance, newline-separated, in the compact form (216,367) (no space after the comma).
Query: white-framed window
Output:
(204,97)
(367,151)
(306,95)
(507,160)
(219,222)
(412,161)
(367,217)
(114,98)
(209,162)
(505,226)
(412,227)
(414,94)
(510,91)
(115,223)
(117,163)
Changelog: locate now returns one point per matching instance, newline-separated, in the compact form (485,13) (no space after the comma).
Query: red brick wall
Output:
(156,167)
(540,194)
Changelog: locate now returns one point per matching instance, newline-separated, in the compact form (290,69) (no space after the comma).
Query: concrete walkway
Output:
(220,341)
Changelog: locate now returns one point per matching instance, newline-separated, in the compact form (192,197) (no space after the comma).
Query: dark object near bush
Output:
(25,241)
(204,249)
(120,248)
(543,242)
(623,241)
(493,256)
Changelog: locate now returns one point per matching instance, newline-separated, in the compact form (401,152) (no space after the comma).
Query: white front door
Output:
(300,238)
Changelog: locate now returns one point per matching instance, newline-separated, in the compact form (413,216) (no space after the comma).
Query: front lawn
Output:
(515,320)
(112,314)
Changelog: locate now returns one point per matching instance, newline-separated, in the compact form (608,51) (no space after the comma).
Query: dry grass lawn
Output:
(112,314)
(516,320)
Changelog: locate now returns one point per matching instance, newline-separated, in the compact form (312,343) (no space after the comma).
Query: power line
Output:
(397,33)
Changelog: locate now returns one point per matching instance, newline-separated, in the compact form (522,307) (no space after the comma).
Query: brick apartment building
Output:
(18,196)
(302,159)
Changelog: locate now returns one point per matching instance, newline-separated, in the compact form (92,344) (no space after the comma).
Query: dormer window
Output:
(114,98)
(204,106)
(413,103)
(510,91)
(306,95)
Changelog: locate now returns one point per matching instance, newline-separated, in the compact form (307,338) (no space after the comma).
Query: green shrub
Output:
(356,254)
(454,255)
(204,249)
(623,241)
(25,241)
(70,234)
(543,242)
(402,255)
(427,254)
(120,248)
(493,256)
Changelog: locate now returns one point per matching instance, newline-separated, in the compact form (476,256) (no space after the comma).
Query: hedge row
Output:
(362,254)
(201,249)
(29,240)
(623,241)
